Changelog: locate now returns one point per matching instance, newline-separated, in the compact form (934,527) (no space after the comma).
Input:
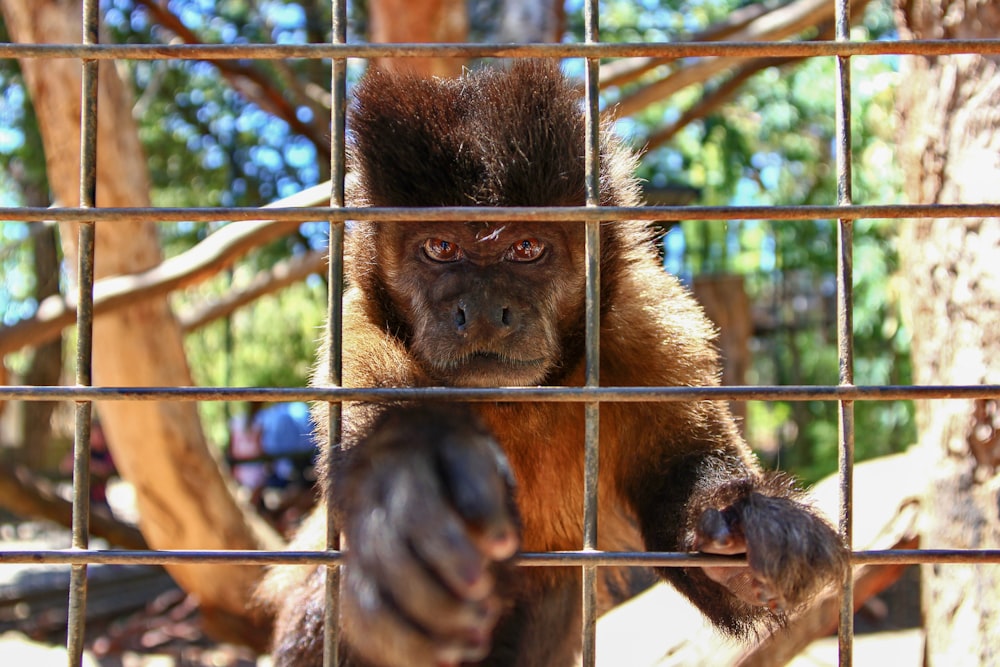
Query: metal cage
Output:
(90,53)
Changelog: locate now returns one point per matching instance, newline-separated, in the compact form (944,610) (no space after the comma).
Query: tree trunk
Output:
(950,153)
(538,21)
(419,21)
(32,497)
(725,300)
(182,496)
(46,359)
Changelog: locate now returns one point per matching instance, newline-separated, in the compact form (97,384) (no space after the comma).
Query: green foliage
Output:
(207,145)
(269,343)
(772,144)
(649,20)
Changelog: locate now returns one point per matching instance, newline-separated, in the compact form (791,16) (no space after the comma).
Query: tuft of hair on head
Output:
(493,137)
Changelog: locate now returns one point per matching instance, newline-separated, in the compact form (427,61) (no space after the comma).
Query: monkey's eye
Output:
(440,250)
(525,250)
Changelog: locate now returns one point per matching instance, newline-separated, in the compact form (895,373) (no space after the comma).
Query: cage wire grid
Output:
(588,558)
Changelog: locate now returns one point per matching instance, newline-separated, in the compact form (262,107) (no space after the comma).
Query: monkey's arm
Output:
(711,500)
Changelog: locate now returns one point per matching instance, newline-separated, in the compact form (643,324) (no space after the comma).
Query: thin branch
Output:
(778,24)
(627,70)
(253,84)
(279,276)
(713,100)
(29,496)
(721,94)
(215,253)
(700,72)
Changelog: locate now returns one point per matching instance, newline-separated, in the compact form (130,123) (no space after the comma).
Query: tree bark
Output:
(32,497)
(950,153)
(47,359)
(420,21)
(725,300)
(538,21)
(182,496)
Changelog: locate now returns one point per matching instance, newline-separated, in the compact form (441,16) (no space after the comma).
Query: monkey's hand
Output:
(428,515)
(791,553)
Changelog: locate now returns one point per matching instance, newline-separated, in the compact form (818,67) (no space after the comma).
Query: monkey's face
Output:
(485,305)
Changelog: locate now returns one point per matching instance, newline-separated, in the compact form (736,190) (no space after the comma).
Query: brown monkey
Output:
(425,494)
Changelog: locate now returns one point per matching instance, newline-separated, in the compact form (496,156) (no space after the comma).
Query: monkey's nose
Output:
(483,319)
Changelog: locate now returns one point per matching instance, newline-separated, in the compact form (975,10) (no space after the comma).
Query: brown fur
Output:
(515,137)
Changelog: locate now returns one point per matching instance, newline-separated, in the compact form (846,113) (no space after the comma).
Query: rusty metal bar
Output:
(80,529)
(592,273)
(542,394)
(806,49)
(503,213)
(529,559)
(334,339)
(845,328)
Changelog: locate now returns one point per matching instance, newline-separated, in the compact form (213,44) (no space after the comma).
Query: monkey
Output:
(433,500)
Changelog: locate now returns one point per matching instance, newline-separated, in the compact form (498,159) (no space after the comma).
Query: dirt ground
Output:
(167,634)
(901,648)
(163,628)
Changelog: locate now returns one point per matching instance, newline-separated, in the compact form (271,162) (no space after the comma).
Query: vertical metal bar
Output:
(77,605)
(845,327)
(592,152)
(338,169)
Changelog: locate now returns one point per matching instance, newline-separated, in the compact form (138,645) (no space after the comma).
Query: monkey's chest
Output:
(544,444)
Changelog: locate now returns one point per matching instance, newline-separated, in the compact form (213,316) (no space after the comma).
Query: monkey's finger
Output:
(744,584)
(719,532)
(448,549)
(437,534)
(479,491)
(498,542)
(419,556)
(791,549)
(378,628)
(414,588)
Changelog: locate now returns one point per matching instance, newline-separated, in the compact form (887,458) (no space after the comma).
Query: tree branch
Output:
(33,497)
(716,97)
(254,85)
(279,276)
(215,253)
(627,70)
(775,25)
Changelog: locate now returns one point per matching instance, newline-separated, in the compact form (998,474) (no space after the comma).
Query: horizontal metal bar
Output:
(168,557)
(915,556)
(801,49)
(695,559)
(540,559)
(537,394)
(502,213)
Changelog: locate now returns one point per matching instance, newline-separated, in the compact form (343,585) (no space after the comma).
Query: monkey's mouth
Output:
(484,368)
